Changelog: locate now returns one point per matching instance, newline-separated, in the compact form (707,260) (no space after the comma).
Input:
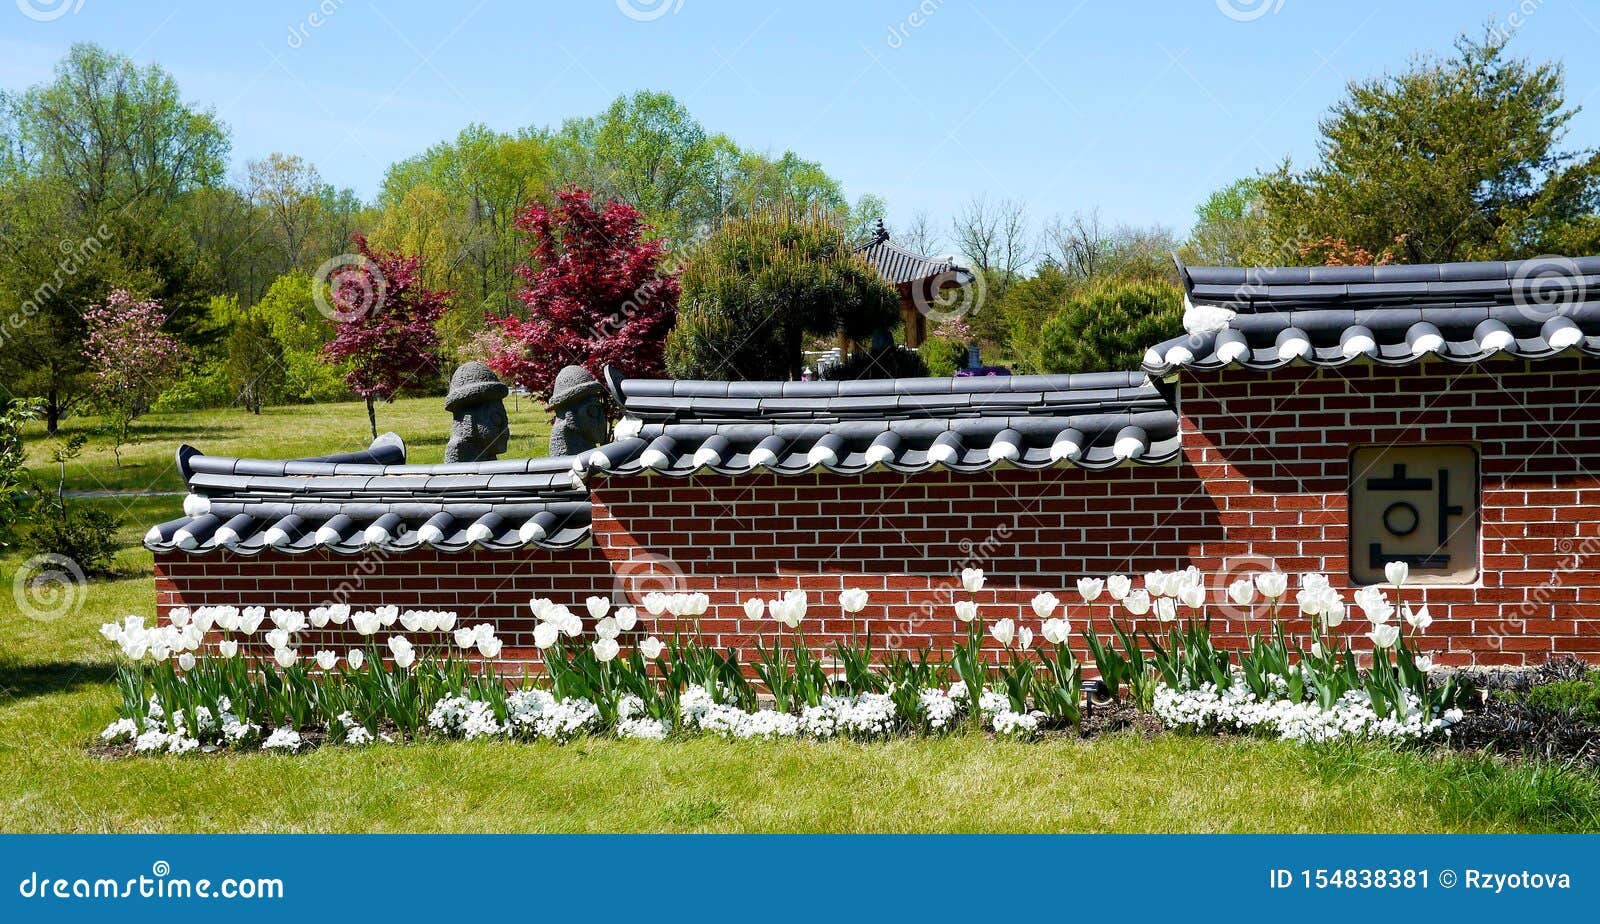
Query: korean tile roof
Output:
(372,500)
(1263,318)
(908,425)
(898,265)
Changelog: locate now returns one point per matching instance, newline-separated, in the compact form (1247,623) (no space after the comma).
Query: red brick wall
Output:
(1263,477)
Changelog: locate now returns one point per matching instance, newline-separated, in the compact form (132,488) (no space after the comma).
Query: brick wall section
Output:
(1263,477)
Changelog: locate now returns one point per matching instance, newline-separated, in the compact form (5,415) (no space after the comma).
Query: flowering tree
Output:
(388,334)
(131,358)
(596,294)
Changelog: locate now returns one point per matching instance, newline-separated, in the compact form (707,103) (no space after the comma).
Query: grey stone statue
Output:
(580,413)
(480,430)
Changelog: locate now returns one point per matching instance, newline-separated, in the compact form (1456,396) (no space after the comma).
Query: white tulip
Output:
(446,621)
(1374,604)
(545,635)
(228,648)
(966,610)
(1333,616)
(678,604)
(1044,605)
(606,628)
(598,607)
(627,617)
(179,616)
(466,638)
(338,613)
(698,604)
(605,649)
(1272,584)
(655,603)
(1418,619)
(319,617)
(1090,589)
(355,658)
(286,657)
(1056,631)
(1190,577)
(1004,632)
(1118,586)
(1158,583)
(1383,635)
(327,660)
(366,622)
(1242,592)
(652,647)
(1397,572)
(571,625)
(1024,637)
(1166,609)
(1192,595)
(853,600)
(404,653)
(186,661)
(490,647)
(277,638)
(250,619)
(388,615)
(1137,602)
(1424,663)
(753,608)
(972,579)
(796,601)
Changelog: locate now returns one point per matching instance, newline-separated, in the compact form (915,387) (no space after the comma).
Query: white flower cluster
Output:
(870,715)
(996,709)
(286,739)
(1236,708)
(530,714)
(163,731)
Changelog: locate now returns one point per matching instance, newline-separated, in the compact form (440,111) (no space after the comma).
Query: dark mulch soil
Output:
(1517,729)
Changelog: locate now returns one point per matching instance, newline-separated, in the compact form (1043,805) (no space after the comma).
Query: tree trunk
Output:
(372,417)
(52,413)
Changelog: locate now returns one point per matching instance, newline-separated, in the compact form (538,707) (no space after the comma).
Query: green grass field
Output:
(55,696)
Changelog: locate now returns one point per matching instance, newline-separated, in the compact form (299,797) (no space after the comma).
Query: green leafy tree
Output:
(255,364)
(300,331)
(759,286)
(1108,326)
(1231,229)
(15,484)
(1453,159)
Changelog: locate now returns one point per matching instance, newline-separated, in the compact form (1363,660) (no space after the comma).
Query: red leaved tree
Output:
(597,295)
(388,332)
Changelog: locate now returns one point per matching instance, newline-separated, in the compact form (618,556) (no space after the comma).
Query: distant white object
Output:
(1205,319)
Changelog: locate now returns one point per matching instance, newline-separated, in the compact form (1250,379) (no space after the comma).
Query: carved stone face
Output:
(480,433)
(492,426)
(590,417)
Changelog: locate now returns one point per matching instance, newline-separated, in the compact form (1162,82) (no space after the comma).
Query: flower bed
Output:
(194,684)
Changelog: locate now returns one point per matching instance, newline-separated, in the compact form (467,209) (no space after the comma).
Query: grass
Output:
(55,696)
(278,433)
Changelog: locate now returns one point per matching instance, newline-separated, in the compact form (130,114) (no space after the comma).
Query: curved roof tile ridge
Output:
(1267,317)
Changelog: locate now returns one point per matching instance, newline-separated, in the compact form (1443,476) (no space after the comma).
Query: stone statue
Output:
(480,430)
(580,414)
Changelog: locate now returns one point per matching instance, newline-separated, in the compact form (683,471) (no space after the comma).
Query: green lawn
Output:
(55,696)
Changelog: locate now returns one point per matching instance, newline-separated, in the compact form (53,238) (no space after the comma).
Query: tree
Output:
(255,363)
(100,167)
(301,331)
(1455,159)
(15,485)
(287,189)
(1085,247)
(1108,326)
(386,337)
(131,358)
(920,235)
(596,294)
(1231,229)
(994,236)
(759,285)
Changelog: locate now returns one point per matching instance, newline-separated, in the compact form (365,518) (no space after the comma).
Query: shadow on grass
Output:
(26,681)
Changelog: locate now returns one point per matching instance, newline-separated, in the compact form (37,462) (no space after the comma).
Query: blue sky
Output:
(1139,109)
